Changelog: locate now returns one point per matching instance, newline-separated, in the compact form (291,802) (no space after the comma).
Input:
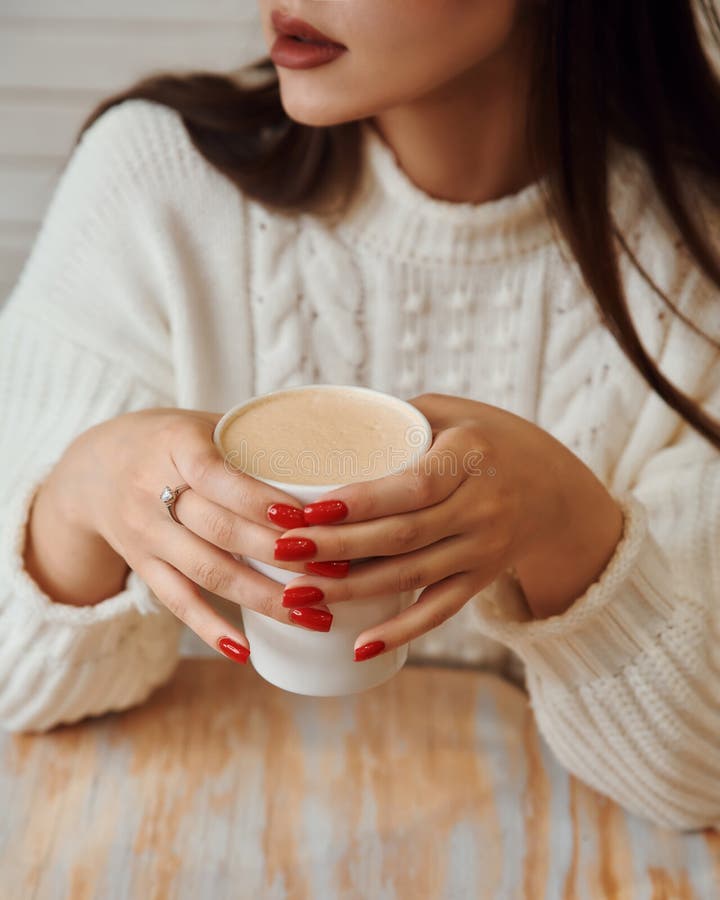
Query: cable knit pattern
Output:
(307,306)
(153,281)
(333,287)
(280,316)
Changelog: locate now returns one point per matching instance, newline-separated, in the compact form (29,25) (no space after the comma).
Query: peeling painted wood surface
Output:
(434,785)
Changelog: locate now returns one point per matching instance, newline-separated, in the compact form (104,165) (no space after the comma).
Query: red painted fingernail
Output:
(317,619)
(287,516)
(302,596)
(369,650)
(233,650)
(332,568)
(325,511)
(294,548)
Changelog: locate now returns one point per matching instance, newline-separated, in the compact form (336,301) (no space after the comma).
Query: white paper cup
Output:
(322,664)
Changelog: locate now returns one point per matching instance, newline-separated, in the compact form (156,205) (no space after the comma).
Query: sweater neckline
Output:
(393,216)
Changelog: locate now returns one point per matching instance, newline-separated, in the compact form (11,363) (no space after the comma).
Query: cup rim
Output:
(285,485)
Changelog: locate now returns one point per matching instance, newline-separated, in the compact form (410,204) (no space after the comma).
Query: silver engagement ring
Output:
(169,496)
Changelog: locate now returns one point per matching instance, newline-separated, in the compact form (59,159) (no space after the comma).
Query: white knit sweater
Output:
(154,281)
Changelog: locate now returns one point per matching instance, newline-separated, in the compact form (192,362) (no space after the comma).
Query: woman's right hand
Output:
(108,483)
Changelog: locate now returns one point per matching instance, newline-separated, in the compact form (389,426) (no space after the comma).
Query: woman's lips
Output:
(293,54)
(289,25)
(299,45)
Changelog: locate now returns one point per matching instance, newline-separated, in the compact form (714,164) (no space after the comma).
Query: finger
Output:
(388,535)
(435,605)
(219,573)
(224,529)
(185,601)
(430,480)
(445,410)
(201,465)
(408,572)
(212,568)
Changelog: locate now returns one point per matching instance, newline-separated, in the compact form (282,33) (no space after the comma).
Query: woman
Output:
(503,210)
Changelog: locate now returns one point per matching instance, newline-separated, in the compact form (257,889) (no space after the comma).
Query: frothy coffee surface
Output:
(322,436)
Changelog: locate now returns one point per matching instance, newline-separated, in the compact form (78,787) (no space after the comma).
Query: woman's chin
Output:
(316,113)
(316,118)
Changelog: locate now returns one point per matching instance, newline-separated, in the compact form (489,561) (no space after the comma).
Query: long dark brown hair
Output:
(634,71)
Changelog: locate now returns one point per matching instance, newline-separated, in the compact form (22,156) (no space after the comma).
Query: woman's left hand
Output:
(492,490)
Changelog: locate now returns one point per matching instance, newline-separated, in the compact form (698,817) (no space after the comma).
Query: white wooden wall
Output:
(58,58)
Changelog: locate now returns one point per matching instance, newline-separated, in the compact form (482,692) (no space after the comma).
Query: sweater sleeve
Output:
(83,338)
(625,684)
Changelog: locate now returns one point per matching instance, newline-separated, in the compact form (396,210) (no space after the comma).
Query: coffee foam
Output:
(322,436)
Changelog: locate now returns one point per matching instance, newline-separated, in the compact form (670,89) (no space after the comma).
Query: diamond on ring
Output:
(169,497)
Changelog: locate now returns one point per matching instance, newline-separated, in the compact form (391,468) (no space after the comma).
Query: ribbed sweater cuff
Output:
(606,629)
(60,663)
(24,593)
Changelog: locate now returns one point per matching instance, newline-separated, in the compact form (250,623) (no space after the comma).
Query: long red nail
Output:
(367,651)
(332,568)
(325,511)
(317,619)
(286,516)
(294,548)
(233,650)
(302,596)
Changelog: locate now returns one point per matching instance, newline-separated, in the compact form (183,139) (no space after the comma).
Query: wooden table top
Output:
(434,785)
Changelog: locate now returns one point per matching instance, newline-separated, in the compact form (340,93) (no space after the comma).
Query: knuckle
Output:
(221,528)
(409,578)
(199,467)
(499,507)
(178,606)
(471,429)
(340,549)
(483,514)
(501,542)
(423,488)
(212,576)
(368,505)
(269,605)
(492,511)
(472,436)
(437,616)
(168,428)
(405,536)
(242,495)
(427,397)
(342,591)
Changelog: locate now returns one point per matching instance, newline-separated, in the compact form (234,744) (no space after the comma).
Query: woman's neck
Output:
(467,141)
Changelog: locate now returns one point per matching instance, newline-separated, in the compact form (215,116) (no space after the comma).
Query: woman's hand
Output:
(106,488)
(493,491)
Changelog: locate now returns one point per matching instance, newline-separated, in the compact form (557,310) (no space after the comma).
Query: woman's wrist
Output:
(562,567)
(66,559)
